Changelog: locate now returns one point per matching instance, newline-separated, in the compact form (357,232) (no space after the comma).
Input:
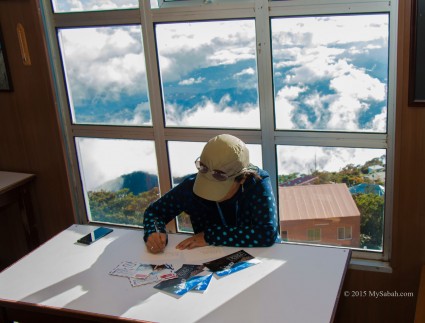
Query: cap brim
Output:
(211,189)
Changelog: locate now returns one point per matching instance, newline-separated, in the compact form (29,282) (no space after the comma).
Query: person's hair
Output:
(248,173)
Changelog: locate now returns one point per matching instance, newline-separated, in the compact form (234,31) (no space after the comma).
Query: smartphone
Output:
(94,235)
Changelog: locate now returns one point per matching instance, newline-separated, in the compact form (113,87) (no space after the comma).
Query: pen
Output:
(156,226)
(157,231)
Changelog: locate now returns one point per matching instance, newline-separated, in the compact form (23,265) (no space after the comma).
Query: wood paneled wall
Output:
(30,138)
(30,141)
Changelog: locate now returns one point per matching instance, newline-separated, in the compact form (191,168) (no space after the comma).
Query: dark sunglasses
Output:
(217,174)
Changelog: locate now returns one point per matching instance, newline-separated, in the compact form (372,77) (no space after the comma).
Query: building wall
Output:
(298,230)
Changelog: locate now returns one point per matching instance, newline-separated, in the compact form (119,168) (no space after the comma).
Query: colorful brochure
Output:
(125,269)
(142,274)
(202,281)
(232,263)
(188,277)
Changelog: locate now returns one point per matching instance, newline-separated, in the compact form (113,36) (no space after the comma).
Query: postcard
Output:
(231,263)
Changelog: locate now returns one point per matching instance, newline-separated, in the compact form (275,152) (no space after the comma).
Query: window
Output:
(92,5)
(314,235)
(331,72)
(106,76)
(120,178)
(357,198)
(142,85)
(345,233)
(209,74)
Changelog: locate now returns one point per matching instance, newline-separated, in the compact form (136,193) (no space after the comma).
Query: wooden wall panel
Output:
(30,137)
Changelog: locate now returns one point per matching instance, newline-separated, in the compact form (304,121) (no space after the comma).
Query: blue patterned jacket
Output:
(248,219)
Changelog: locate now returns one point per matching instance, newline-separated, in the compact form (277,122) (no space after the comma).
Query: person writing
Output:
(230,202)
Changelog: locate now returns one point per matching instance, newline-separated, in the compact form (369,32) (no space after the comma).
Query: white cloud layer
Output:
(105,64)
(209,114)
(305,159)
(319,56)
(87,5)
(185,47)
(103,160)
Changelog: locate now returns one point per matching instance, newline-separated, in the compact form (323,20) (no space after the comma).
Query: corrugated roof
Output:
(322,201)
(300,180)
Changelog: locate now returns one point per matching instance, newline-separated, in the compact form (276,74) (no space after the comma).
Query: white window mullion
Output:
(152,74)
(392,90)
(265,89)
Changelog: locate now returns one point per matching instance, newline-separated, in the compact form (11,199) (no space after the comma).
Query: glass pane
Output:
(341,233)
(209,74)
(331,72)
(183,164)
(330,188)
(92,5)
(120,178)
(106,75)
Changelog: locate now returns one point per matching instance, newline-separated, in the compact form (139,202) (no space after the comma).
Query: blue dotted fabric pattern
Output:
(250,216)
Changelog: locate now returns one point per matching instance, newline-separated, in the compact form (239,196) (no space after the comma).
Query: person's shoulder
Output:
(187,181)
(183,186)
(253,181)
(263,173)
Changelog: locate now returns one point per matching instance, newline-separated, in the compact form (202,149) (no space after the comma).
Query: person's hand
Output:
(156,242)
(195,241)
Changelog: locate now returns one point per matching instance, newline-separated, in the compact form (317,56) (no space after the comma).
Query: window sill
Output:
(370,265)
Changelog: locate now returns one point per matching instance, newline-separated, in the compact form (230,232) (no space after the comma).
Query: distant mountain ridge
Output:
(136,182)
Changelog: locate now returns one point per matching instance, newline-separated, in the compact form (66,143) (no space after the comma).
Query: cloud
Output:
(87,5)
(140,117)
(103,64)
(208,114)
(286,107)
(319,85)
(191,81)
(379,122)
(246,71)
(322,55)
(305,159)
(188,46)
(102,160)
(356,83)
(329,30)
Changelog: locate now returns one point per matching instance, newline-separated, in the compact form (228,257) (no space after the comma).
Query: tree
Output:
(371,208)
(121,206)
(285,178)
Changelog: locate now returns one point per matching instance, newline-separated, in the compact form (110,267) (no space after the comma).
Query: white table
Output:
(293,283)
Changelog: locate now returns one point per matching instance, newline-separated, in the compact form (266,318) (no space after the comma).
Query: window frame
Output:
(262,11)
(315,234)
(345,229)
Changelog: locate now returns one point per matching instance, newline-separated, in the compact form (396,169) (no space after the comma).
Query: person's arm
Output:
(163,210)
(257,221)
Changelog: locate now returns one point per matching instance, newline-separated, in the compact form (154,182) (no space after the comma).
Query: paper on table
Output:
(172,255)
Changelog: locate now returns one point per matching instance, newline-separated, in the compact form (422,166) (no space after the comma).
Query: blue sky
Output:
(329,73)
